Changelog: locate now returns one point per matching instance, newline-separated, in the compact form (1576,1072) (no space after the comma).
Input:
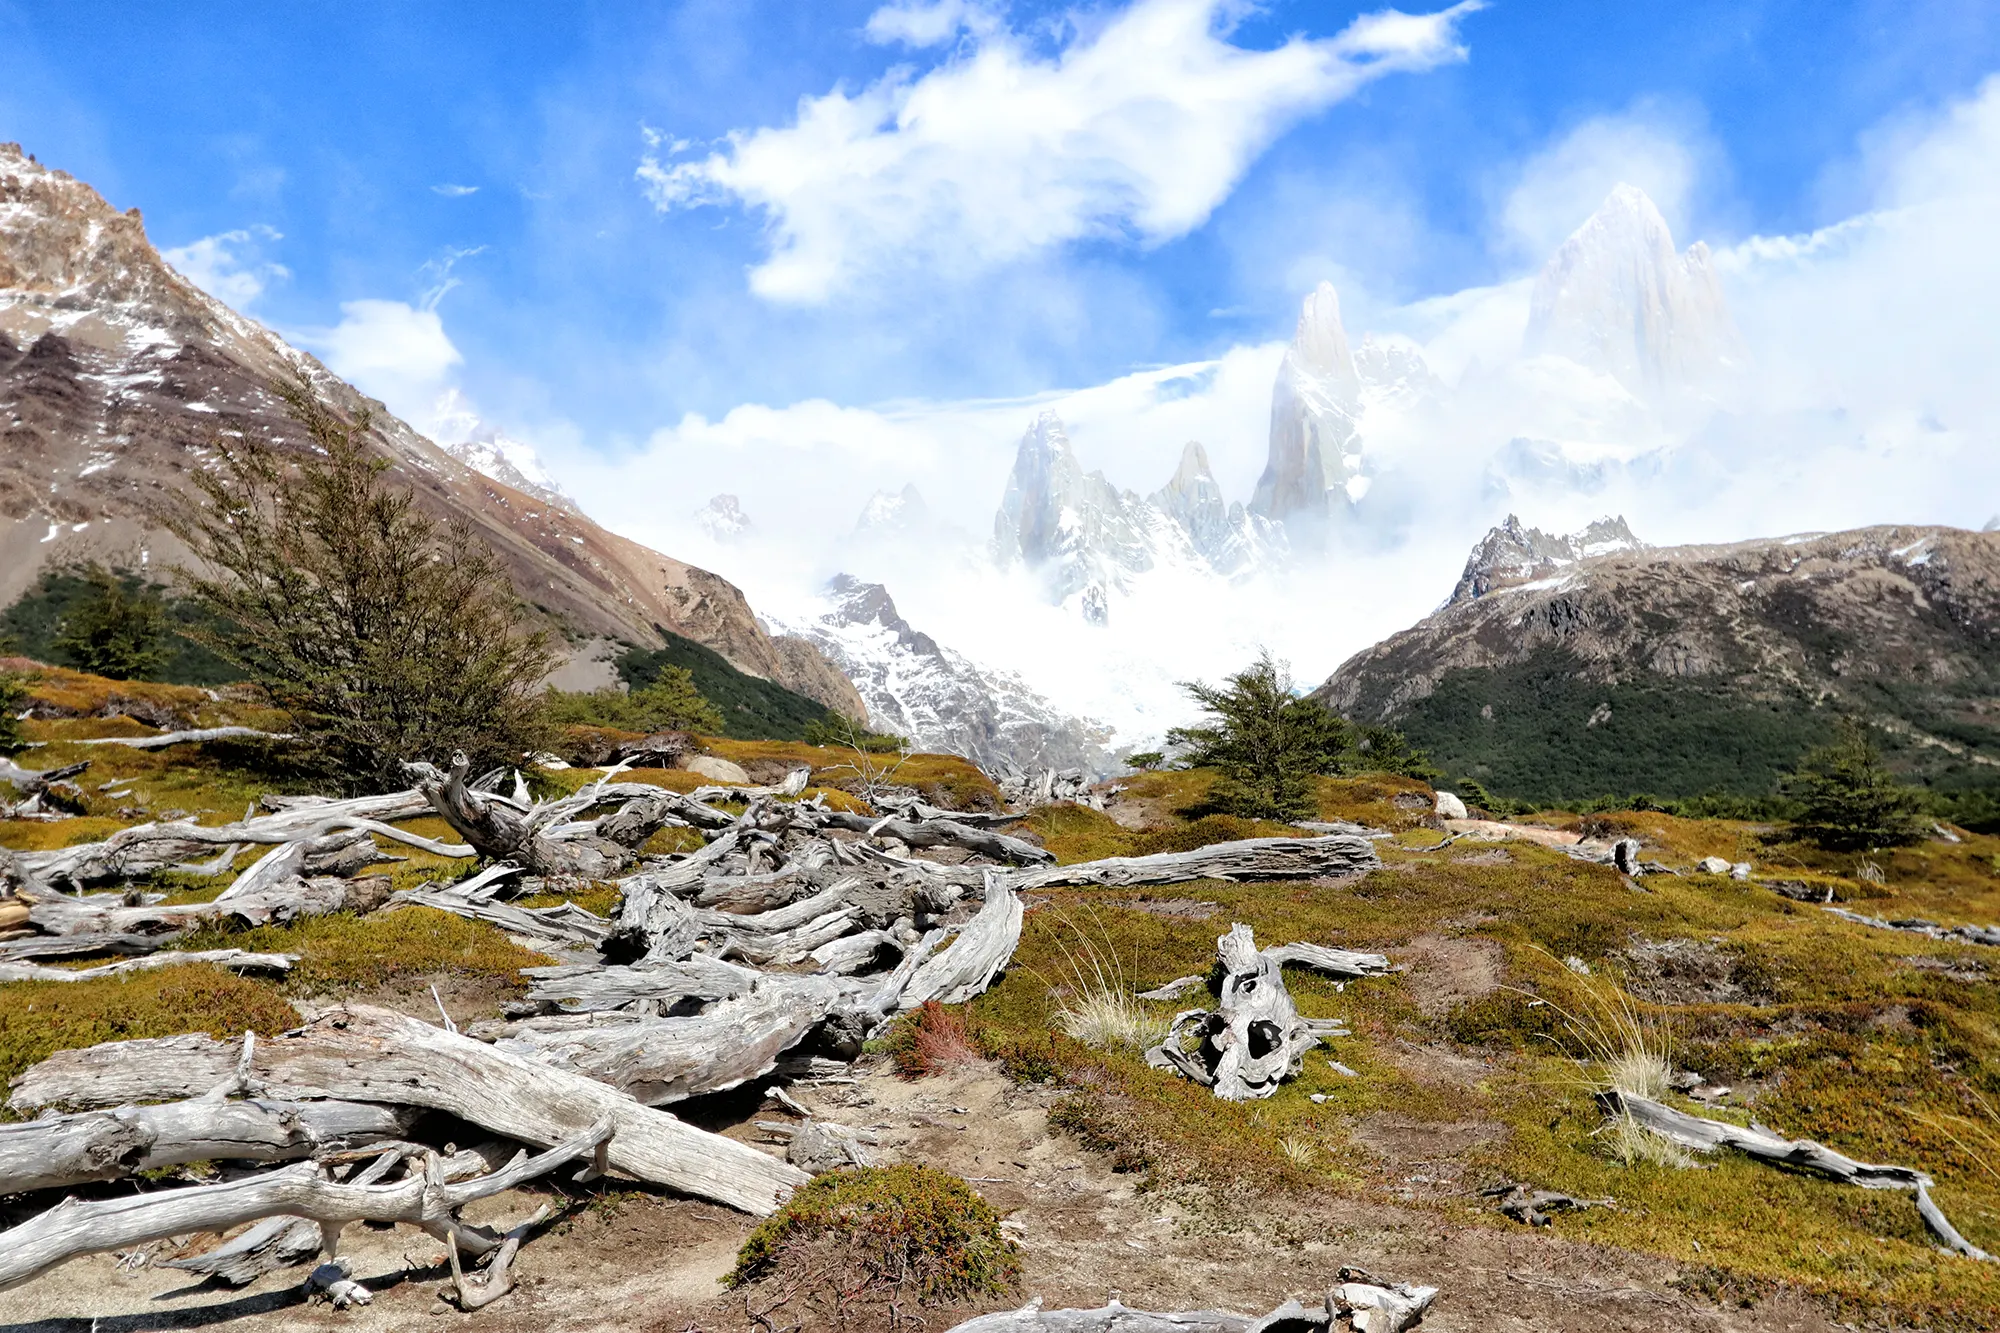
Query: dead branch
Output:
(193,737)
(74,1227)
(236,960)
(58,1151)
(361,1053)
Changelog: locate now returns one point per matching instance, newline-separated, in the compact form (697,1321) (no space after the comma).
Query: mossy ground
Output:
(1884,1045)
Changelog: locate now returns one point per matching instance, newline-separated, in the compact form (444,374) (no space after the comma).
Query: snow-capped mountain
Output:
(1226,536)
(460,432)
(1513,554)
(1315,416)
(723,519)
(894,511)
(1617,297)
(940,699)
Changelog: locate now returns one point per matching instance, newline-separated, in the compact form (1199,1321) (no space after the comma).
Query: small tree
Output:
(1849,801)
(1268,743)
(1146,760)
(117,628)
(1386,750)
(387,634)
(839,729)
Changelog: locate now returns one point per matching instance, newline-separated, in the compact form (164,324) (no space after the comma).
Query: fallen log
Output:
(285,901)
(195,736)
(941,833)
(664,1060)
(58,1151)
(74,1227)
(80,946)
(1246,860)
(1369,1306)
(967,967)
(582,988)
(361,1053)
(564,924)
(1988,935)
(236,960)
(1705,1135)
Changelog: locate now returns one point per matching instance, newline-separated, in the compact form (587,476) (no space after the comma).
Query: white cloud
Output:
(1138,129)
(1564,183)
(929,22)
(390,349)
(451,191)
(226,265)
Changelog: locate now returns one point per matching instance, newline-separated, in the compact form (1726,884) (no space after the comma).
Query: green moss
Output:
(38,1018)
(906,1230)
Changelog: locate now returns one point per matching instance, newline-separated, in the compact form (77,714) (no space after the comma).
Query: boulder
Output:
(1712,865)
(1450,807)
(1741,870)
(716,770)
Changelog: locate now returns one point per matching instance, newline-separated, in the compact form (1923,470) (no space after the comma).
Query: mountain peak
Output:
(1617,297)
(1315,406)
(1319,344)
(893,511)
(1513,554)
(723,519)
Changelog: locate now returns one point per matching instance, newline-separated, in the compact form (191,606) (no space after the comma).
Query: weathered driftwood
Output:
(545,838)
(57,1151)
(1705,1135)
(90,944)
(144,848)
(194,736)
(286,900)
(971,962)
(941,833)
(74,1227)
(1248,859)
(361,1053)
(236,960)
(582,988)
(564,924)
(1255,1039)
(1369,1307)
(664,1060)
(276,1242)
(1989,935)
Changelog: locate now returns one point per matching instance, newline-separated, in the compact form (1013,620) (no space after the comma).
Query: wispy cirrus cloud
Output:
(1137,130)
(450,191)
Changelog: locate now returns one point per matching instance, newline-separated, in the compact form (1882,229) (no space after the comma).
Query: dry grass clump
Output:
(930,1039)
(409,946)
(863,1240)
(1093,989)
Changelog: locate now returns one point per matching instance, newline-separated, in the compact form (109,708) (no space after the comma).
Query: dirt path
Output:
(646,1263)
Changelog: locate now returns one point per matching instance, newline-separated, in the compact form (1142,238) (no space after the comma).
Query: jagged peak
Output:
(1513,553)
(1319,344)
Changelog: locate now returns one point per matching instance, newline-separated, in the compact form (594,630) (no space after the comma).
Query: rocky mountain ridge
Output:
(1722,648)
(117,376)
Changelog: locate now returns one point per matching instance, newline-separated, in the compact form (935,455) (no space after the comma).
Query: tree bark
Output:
(236,960)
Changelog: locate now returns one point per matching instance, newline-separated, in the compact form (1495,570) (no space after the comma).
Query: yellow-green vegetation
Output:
(407,947)
(943,779)
(1884,1045)
(41,1017)
(882,1233)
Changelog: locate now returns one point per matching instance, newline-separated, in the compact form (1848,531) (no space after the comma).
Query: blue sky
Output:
(378,152)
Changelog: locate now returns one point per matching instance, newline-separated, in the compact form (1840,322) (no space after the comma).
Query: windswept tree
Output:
(387,634)
(1268,743)
(1849,800)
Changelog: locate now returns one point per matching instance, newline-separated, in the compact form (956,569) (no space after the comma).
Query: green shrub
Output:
(668,702)
(117,629)
(882,1233)
(1146,760)
(1848,799)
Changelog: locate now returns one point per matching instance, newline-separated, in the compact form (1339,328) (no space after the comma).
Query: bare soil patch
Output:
(1446,971)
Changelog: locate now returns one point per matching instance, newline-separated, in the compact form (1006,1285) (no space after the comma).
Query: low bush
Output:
(880,1235)
(929,1040)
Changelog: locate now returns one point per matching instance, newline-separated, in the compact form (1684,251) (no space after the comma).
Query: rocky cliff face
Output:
(1717,644)
(1315,414)
(942,701)
(117,375)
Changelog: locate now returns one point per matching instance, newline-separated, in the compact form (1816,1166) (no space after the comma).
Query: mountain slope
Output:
(940,699)
(117,375)
(1684,669)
